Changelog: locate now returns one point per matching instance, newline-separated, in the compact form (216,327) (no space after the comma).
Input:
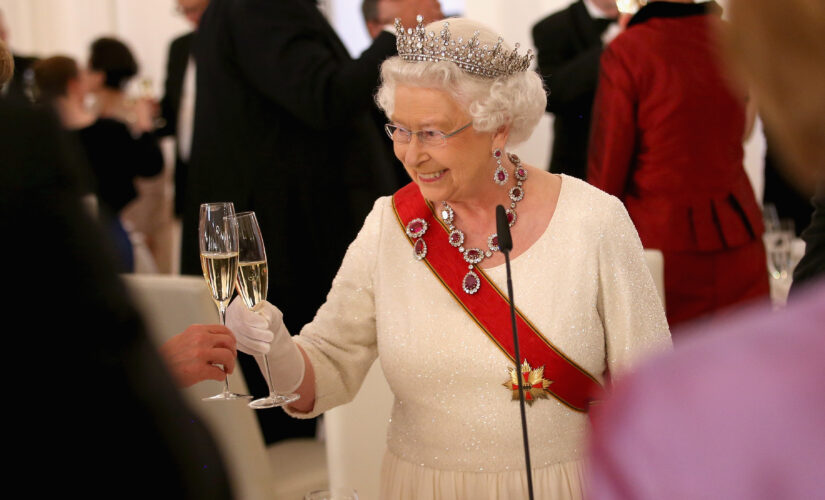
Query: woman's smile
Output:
(432,176)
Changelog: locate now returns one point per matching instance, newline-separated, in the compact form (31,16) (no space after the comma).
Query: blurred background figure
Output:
(667,140)
(114,155)
(177,107)
(737,411)
(812,265)
(379,15)
(127,420)
(569,44)
(789,201)
(274,81)
(19,86)
(6,64)
(112,68)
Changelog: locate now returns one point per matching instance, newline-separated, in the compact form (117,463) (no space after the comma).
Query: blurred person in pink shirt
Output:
(738,411)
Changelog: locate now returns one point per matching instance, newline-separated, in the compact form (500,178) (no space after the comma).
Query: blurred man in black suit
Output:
(282,127)
(177,108)
(379,16)
(812,266)
(569,44)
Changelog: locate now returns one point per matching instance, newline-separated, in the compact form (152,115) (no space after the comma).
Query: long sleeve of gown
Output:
(634,320)
(341,341)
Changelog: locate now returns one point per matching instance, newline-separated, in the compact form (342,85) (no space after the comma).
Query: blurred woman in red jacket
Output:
(667,140)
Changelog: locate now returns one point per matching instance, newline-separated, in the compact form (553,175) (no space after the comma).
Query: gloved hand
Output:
(262,333)
(255,330)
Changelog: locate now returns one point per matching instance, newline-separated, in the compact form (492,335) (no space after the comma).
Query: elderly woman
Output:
(419,286)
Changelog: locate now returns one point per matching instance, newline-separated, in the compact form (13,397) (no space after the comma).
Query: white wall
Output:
(49,27)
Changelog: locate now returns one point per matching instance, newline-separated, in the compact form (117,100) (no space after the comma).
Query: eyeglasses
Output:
(428,137)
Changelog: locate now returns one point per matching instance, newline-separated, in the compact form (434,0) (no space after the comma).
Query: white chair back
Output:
(169,305)
(357,436)
(656,263)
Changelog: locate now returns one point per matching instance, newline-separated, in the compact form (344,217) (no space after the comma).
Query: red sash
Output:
(490,308)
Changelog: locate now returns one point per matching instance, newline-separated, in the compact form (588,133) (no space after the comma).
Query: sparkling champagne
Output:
(219,271)
(779,262)
(253,279)
(778,248)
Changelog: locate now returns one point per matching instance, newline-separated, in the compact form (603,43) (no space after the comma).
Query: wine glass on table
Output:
(218,237)
(252,284)
(778,239)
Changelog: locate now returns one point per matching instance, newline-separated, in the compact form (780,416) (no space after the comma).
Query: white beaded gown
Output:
(454,431)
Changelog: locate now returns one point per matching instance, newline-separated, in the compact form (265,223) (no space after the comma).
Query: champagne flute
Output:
(252,283)
(218,237)
(146,88)
(778,239)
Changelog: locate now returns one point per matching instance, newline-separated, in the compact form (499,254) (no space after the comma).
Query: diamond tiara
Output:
(490,62)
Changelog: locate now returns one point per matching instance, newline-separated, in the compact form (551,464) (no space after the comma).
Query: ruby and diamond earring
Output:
(500,176)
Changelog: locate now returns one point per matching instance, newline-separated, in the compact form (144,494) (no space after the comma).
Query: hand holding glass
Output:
(252,284)
(218,238)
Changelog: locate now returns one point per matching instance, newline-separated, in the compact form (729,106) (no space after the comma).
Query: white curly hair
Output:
(517,100)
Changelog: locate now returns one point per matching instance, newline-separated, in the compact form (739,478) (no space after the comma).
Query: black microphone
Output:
(505,244)
(505,241)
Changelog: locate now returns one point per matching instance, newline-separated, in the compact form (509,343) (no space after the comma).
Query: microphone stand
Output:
(505,244)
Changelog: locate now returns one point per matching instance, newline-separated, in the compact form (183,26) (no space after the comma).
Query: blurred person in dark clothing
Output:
(177,107)
(812,265)
(114,155)
(282,127)
(6,63)
(568,46)
(789,201)
(737,411)
(102,416)
(111,68)
(379,16)
(666,139)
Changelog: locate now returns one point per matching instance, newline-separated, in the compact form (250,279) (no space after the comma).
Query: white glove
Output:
(262,333)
